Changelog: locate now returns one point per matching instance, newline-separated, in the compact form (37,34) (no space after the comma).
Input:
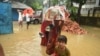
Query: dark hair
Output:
(62,38)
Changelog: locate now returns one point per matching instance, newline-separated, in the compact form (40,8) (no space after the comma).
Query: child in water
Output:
(61,49)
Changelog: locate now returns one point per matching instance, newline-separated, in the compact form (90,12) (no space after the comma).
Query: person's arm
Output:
(54,54)
(47,16)
(67,52)
(55,51)
(1,51)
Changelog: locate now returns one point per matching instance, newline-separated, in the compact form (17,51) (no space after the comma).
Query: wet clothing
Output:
(20,17)
(27,19)
(60,52)
(52,16)
(56,30)
(43,27)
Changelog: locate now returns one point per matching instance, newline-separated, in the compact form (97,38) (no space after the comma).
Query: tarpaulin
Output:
(6,25)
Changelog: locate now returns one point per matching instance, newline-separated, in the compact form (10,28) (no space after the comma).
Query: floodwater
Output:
(25,42)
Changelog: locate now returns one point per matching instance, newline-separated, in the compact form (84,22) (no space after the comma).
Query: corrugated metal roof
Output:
(19,5)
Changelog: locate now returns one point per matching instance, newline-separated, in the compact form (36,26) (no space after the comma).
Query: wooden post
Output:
(94,12)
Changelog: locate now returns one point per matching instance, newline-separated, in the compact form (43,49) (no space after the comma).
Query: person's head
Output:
(19,10)
(62,41)
(62,38)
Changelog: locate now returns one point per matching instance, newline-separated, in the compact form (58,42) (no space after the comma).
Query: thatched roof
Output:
(19,5)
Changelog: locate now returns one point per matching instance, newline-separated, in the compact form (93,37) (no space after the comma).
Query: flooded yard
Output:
(25,42)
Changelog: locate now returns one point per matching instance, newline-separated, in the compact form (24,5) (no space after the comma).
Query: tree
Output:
(54,2)
(35,4)
(81,2)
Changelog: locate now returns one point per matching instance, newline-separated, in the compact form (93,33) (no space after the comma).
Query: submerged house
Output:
(89,7)
(90,12)
(7,12)
(15,6)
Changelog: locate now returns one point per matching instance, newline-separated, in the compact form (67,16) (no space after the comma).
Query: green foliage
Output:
(54,2)
(72,10)
(70,4)
(36,5)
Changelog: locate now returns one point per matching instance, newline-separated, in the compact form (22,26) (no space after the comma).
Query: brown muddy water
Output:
(25,42)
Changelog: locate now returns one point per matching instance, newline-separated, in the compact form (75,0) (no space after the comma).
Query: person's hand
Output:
(53,54)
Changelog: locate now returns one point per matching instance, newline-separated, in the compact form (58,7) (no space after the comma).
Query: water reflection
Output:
(25,42)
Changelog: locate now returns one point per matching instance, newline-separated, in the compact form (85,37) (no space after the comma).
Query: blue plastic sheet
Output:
(6,25)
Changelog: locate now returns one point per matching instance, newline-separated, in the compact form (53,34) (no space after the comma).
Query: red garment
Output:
(30,11)
(52,41)
(54,33)
(43,26)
